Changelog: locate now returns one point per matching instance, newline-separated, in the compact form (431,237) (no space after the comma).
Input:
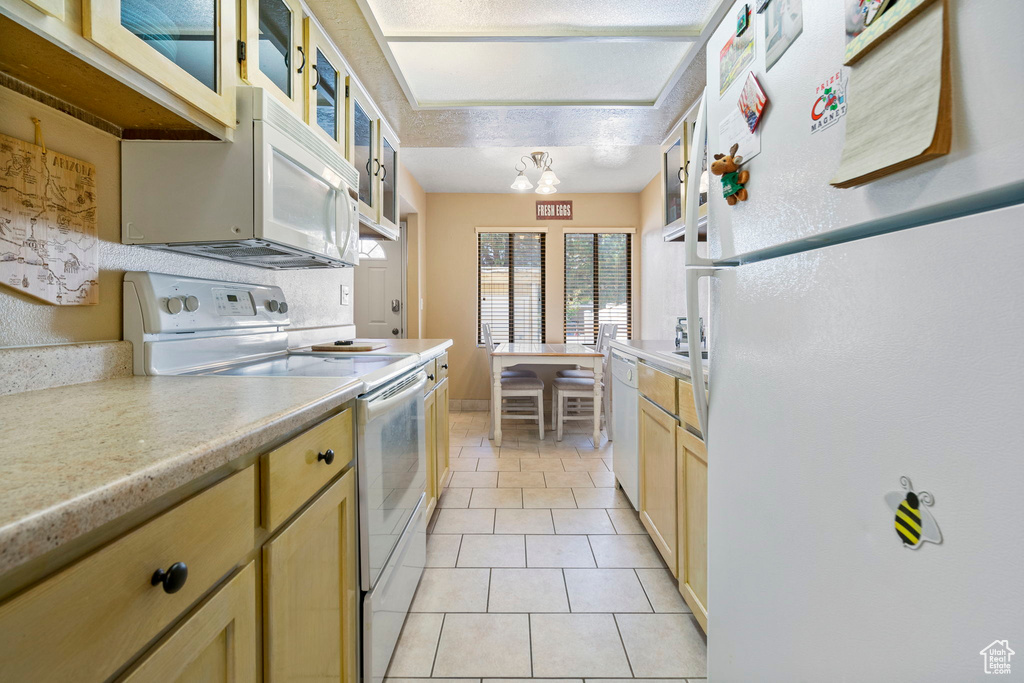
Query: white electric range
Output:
(189,326)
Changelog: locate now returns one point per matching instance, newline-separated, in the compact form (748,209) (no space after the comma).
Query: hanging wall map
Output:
(48,244)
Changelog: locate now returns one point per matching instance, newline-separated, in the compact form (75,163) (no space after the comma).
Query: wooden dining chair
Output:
(605,334)
(573,399)
(522,393)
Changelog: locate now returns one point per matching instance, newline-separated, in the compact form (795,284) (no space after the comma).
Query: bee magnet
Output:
(914,523)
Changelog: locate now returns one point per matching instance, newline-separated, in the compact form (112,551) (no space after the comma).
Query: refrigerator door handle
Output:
(700,136)
(700,397)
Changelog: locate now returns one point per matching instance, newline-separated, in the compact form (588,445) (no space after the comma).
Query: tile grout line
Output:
(623,642)
(437,646)
(644,589)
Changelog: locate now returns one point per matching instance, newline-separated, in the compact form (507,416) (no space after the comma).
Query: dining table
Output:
(518,353)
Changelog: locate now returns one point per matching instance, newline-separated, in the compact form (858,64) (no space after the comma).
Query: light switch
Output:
(346,295)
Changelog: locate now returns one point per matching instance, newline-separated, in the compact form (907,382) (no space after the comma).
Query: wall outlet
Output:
(346,295)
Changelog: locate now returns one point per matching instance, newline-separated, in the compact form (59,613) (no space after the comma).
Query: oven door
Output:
(391,463)
(301,201)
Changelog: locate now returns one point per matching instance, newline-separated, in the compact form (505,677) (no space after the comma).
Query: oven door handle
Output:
(383,402)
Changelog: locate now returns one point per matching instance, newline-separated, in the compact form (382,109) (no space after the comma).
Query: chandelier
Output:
(548,179)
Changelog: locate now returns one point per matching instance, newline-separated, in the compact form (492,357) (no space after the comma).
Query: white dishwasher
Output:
(626,459)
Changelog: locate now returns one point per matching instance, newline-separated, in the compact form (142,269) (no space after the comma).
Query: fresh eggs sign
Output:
(560,210)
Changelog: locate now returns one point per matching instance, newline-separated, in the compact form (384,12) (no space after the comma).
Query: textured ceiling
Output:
(477,16)
(537,72)
(586,168)
(498,126)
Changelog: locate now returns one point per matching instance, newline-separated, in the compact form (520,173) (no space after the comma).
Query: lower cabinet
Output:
(430,417)
(659,480)
(692,456)
(442,436)
(216,643)
(311,591)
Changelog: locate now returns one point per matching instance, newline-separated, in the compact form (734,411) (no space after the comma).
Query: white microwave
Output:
(277,197)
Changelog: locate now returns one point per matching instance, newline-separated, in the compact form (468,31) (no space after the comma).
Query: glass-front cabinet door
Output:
(325,87)
(187,47)
(275,56)
(672,173)
(363,148)
(388,177)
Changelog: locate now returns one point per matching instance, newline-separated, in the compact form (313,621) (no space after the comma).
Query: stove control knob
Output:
(273,305)
(283,308)
(191,304)
(175,305)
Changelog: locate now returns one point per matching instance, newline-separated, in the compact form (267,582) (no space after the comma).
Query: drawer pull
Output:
(173,579)
(327,457)
(430,378)
(444,367)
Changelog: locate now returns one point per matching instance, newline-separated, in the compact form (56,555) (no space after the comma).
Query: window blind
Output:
(510,286)
(598,285)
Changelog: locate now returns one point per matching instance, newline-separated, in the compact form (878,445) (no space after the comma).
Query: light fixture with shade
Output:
(548,179)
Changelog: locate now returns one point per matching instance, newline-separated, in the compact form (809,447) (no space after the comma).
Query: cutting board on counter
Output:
(355,346)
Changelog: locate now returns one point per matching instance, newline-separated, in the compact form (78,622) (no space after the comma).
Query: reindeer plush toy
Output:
(733,179)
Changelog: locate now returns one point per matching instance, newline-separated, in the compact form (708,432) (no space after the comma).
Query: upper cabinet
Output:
(387,176)
(363,147)
(676,151)
(325,87)
(187,47)
(275,56)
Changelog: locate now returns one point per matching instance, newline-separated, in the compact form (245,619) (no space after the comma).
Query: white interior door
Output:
(379,293)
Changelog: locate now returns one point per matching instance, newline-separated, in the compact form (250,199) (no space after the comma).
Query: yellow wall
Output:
(451,306)
(314,295)
(662,278)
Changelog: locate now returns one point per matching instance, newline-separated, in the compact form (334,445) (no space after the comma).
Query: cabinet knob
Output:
(444,366)
(430,377)
(173,579)
(327,457)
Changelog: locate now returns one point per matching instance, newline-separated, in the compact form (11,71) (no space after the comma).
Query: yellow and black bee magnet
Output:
(913,521)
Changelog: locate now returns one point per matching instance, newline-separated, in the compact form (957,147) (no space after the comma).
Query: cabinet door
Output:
(214,644)
(187,48)
(672,180)
(363,147)
(659,477)
(311,588)
(693,524)
(430,416)
(442,435)
(275,56)
(388,177)
(325,86)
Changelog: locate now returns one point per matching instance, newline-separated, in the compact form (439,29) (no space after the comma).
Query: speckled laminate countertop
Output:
(659,352)
(74,458)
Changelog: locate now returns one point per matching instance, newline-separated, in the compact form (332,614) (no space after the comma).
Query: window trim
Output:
(511,280)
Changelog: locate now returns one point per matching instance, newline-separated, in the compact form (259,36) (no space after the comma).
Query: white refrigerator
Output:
(858,337)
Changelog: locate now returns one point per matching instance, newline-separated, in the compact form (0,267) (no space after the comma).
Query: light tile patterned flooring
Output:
(538,567)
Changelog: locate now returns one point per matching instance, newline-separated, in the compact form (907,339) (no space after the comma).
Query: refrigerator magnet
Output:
(913,521)
(743,19)
(752,101)
(733,179)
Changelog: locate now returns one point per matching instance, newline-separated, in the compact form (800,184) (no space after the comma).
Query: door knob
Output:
(395,331)
(396,305)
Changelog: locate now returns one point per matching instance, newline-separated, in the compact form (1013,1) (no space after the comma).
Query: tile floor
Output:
(538,567)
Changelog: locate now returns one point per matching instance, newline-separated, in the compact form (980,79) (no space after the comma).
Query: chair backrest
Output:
(488,340)
(605,334)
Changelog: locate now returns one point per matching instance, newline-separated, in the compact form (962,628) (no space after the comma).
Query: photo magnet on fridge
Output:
(742,20)
(914,523)
(752,102)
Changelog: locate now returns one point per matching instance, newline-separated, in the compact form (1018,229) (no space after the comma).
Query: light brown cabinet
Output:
(275,54)
(442,438)
(311,590)
(430,418)
(659,480)
(216,643)
(693,528)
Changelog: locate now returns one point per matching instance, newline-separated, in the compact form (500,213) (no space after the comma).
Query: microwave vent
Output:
(259,253)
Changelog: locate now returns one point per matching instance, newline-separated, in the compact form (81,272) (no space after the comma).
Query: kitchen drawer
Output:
(658,386)
(430,367)
(442,366)
(687,409)
(304,465)
(87,621)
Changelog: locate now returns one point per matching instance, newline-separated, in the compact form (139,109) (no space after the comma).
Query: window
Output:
(598,285)
(510,286)
(371,250)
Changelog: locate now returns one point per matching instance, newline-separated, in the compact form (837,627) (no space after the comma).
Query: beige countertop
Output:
(661,352)
(77,457)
